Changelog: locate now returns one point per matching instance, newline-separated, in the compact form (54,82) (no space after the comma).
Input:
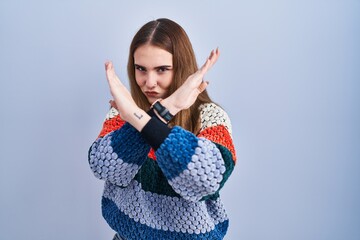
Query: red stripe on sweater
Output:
(220,135)
(111,125)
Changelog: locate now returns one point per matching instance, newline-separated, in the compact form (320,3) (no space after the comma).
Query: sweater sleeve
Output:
(197,167)
(119,151)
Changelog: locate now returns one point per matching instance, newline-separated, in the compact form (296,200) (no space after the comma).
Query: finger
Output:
(214,55)
(203,86)
(110,74)
(207,64)
(113,104)
(108,65)
(205,67)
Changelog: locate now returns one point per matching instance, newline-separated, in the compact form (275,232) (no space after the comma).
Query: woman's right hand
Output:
(122,98)
(186,95)
(125,104)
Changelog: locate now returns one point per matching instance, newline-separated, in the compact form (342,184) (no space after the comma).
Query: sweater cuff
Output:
(155,132)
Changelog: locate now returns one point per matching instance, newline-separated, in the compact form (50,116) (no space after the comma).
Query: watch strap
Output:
(162,111)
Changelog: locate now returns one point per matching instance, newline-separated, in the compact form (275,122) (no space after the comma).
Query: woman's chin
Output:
(152,99)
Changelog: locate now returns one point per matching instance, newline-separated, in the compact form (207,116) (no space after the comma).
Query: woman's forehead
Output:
(152,56)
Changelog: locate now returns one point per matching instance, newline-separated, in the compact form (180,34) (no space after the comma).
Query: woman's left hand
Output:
(186,95)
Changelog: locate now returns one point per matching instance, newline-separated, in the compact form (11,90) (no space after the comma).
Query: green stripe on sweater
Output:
(153,180)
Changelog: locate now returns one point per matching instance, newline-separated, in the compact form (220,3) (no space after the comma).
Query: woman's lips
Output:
(151,94)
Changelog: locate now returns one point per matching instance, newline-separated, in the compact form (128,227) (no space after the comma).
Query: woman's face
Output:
(153,71)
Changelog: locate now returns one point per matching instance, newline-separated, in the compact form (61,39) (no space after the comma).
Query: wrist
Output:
(169,103)
(137,117)
(128,113)
(162,111)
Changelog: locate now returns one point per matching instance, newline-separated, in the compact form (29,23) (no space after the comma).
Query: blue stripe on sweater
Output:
(176,151)
(131,230)
(118,156)
(129,145)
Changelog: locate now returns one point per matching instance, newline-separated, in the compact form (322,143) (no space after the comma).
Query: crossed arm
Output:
(181,99)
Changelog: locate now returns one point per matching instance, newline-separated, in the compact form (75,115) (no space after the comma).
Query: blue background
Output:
(288,76)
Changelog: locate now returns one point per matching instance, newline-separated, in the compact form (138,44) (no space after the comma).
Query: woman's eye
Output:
(141,69)
(162,69)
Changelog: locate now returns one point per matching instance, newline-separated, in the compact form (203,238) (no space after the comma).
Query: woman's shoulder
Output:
(212,115)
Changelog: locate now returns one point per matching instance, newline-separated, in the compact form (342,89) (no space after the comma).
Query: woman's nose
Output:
(151,80)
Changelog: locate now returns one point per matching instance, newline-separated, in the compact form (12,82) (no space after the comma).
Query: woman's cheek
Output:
(168,80)
(139,80)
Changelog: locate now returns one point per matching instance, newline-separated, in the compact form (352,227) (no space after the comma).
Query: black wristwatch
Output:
(162,111)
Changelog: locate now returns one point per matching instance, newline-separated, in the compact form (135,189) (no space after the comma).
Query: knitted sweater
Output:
(169,189)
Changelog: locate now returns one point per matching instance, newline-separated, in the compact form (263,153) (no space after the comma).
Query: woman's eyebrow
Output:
(158,67)
(139,66)
(163,66)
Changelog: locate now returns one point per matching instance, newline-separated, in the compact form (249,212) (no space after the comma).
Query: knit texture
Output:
(170,193)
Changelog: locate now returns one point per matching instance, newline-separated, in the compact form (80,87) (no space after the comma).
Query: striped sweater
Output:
(168,190)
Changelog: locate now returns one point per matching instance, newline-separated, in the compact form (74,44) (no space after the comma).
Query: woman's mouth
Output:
(151,93)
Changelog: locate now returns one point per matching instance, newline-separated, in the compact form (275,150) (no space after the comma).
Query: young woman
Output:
(165,149)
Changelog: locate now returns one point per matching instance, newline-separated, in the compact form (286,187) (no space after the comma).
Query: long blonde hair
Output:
(170,36)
